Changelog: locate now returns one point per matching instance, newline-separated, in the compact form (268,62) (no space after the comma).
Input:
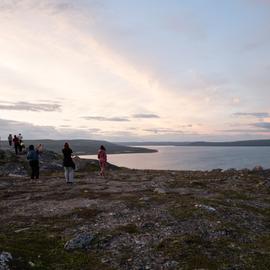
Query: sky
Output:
(135,70)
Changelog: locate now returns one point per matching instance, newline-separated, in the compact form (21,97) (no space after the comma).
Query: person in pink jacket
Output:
(102,157)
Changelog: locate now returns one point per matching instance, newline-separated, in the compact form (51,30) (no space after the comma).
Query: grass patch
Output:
(57,223)
(128,228)
(132,201)
(239,195)
(256,210)
(46,251)
(182,212)
(257,253)
(188,250)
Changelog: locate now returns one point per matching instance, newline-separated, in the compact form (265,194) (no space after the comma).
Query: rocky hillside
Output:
(50,163)
(136,219)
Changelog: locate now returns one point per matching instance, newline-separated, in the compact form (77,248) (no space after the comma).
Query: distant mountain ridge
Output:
(201,143)
(83,147)
(89,147)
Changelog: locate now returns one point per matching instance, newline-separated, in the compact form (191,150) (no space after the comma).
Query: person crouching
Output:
(33,157)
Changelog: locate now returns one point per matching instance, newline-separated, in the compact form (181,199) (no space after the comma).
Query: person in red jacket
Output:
(102,157)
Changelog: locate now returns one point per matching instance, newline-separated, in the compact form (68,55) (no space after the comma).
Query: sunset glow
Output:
(135,70)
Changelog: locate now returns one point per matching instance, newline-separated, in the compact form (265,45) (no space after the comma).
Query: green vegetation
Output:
(38,248)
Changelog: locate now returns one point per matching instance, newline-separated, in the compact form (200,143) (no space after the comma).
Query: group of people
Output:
(17,141)
(68,163)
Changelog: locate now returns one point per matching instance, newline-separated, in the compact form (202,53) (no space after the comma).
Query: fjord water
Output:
(193,158)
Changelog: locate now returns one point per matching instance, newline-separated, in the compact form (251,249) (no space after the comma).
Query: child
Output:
(102,157)
(33,157)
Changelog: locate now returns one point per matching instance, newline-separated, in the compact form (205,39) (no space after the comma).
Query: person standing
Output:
(20,137)
(33,157)
(102,157)
(10,139)
(69,165)
(16,144)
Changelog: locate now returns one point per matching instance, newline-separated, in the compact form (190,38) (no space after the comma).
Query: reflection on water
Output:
(194,158)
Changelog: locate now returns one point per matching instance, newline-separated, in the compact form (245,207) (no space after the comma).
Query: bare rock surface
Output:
(82,240)
(5,259)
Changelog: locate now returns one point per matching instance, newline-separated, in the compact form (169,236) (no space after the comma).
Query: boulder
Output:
(159,191)
(5,259)
(81,241)
(206,207)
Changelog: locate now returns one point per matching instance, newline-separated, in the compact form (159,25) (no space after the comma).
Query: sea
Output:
(193,158)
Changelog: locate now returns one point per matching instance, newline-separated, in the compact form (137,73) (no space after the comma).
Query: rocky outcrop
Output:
(82,240)
(50,162)
(5,259)
(10,164)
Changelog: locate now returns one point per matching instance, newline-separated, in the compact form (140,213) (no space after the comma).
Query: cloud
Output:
(30,131)
(94,130)
(235,100)
(54,6)
(246,131)
(106,119)
(27,106)
(253,114)
(82,55)
(95,63)
(163,131)
(264,125)
(145,115)
(186,126)
(187,25)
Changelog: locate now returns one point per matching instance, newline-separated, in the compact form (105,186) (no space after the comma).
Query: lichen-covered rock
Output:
(13,169)
(5,259)
(160,190)
(206,207)
(81,241)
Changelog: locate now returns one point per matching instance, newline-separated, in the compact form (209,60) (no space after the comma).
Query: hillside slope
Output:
(84,147)
(136,219)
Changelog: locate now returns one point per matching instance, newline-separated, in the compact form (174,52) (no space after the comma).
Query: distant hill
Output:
(202,143)
(84,147)
(236,143)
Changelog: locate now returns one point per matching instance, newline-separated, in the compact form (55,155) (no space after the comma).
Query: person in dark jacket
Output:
(68,163)
(10,139)
(16,143)
(33,157)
